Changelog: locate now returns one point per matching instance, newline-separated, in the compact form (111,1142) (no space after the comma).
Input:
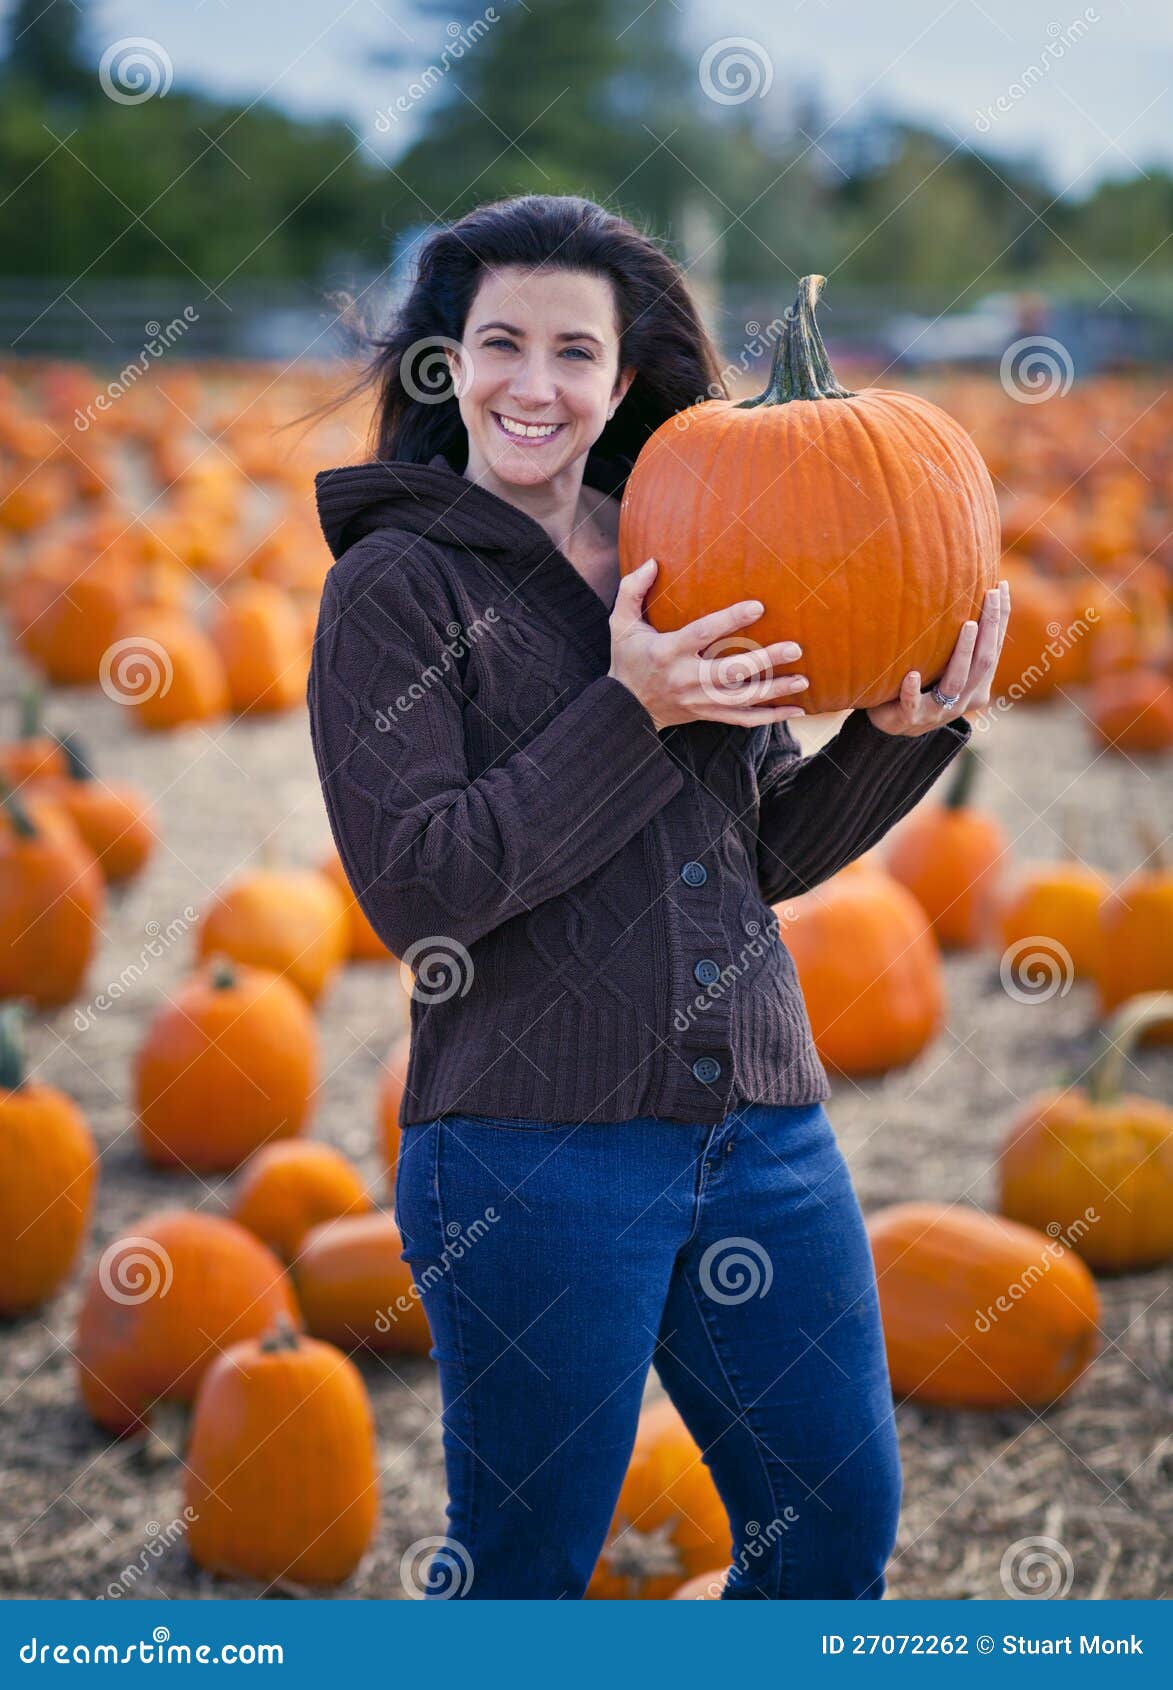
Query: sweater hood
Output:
(435,501)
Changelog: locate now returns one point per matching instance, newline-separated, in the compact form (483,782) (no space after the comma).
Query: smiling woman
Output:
(568,834)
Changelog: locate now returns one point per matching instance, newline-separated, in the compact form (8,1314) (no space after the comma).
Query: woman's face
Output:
(540,352)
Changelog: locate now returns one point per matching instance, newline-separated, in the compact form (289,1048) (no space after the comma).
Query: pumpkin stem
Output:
(22,822)
(1105,1079)
(281,1336)
(800,369)
(12,1064)
(79,767)
(31,701)
(222,972)
(958,791)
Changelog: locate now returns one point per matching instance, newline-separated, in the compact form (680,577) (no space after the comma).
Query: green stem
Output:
(31,701)
(1105,1077)
(800,369)
(281,1336)
(957,793)
(75,757)
(223,972)
(22,822)
(11,1047)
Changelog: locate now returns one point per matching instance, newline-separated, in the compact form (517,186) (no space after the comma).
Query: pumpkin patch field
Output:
(214,1371)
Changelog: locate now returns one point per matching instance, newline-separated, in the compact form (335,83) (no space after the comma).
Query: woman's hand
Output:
(967,677)
(676,683)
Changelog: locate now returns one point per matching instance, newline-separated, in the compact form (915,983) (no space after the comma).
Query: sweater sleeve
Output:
(427,849)
(820,813)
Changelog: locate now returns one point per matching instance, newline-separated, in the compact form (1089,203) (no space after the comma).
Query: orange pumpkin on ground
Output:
(162,1302)
(1095,1162)
(356,1290)
(164,668)
(280,1478)
(949,856)
(83,602)
(391,1084)
(259,637)
(1132,711)
(34,754)
(865,523)
(229,1065)
(365,943)
(869,968)
(669,1523)
(50,1163)
(52,896)
(1041,649)
(1054,906)
(980,1312)
(289,1187)
(1136,942)
(115,821)
(289,920)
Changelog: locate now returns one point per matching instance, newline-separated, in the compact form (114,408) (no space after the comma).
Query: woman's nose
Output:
(534,384)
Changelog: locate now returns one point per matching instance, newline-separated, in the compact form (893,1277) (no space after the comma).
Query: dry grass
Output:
(1092,1473)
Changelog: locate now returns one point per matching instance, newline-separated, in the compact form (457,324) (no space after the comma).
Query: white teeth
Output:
(528,431)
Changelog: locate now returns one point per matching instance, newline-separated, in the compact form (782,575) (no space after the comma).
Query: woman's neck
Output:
(556,505)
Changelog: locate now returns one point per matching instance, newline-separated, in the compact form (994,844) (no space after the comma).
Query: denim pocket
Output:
(514,1123)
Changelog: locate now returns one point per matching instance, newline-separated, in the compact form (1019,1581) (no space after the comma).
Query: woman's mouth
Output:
(526,434)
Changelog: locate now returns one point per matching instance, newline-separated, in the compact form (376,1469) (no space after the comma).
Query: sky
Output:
(1083,89)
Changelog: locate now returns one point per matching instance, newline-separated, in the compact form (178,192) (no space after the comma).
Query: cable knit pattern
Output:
(515,828)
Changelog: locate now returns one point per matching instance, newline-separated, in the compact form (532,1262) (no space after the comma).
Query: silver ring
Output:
(943,698)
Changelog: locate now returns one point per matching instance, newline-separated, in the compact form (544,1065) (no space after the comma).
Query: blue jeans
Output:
(558,1262)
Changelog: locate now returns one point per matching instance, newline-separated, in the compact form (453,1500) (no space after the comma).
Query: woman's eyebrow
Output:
(511,328)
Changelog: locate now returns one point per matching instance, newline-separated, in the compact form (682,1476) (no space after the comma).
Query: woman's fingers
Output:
(695,636)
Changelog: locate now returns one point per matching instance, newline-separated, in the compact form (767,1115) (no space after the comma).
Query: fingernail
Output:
(791,650)
(753,608)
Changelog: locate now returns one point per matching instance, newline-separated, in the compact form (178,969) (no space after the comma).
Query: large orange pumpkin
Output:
(865,523)
(949,856)
(980,1312)
(49,1161)
(356,1289)
(289,1187)
(280,1480)
(669,1523)
(164,667)
(51,900)
(869,968)
(1095,1162)
(290,920)
(227,1066)
(161,1303)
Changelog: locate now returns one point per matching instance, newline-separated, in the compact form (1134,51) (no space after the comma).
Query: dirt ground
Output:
(1093,1473)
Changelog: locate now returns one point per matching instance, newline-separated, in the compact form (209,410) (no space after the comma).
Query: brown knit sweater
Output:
(585,901)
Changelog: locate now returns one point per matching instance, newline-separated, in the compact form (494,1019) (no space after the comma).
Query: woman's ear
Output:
(622,382)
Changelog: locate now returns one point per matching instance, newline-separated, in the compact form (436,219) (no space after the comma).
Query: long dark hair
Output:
(661,335)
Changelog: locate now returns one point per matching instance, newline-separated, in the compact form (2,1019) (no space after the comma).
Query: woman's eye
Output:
(582,352)
(499,342)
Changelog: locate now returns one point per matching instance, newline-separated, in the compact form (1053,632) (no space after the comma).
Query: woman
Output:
(571,828)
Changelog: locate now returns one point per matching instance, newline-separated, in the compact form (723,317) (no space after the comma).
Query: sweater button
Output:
(707,972)
(707,1069)
(694,874)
